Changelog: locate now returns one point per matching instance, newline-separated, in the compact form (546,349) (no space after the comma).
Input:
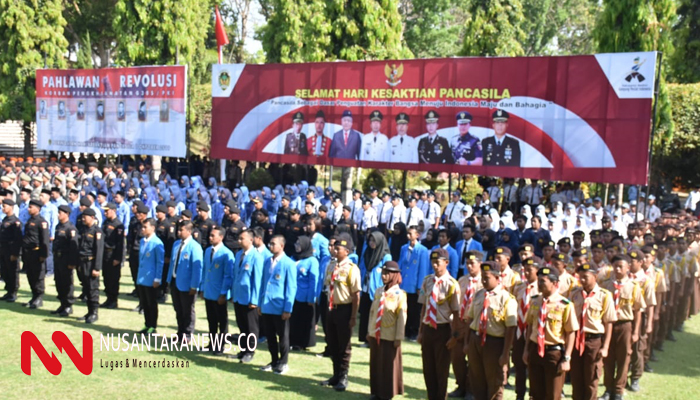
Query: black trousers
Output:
(91,285)
(248,321)
(164,287)
(64,281)
(322,314)
(277,333)
(148,295)
(303,325)
(217,317)
(338,335)
(183,303)
(365,305)
(413,315)
(10,272)
(36,271)
(111,275)
(134,265)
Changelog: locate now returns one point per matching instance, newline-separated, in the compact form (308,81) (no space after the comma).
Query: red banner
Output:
(573,118)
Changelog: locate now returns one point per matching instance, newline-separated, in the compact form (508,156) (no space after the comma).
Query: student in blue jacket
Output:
(247,282)
(276,303)
(184,277)
(444,243)
(151,260)
(217,277)
(318,241)
(415,266)
(303,321)
(375,255)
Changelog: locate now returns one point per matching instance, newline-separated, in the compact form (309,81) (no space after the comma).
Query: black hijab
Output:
(374,256)
(305,248)
(398,239)
(429,244)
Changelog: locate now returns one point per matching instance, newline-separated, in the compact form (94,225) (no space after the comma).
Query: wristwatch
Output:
(567,358)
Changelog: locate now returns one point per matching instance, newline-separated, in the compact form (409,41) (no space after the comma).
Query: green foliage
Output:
(89,31)
(31,37)
(432,27)
(558,27)
(199,117)
(640,25)
(259,178)
(84,59)
(375,179)
(470,187)
(677,159)
(686,58)
(494,28)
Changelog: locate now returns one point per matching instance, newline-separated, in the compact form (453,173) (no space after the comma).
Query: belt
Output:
(594,336)
(87,258)
(556,347)
(488,336)
(336,306)
(622,322)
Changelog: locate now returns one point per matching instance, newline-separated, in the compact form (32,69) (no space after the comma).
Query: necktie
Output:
(408,220)
(375,139)
(507,199)
(541,323)
(464,254)
(431,317)
(522,311)
(346,138)
(334,276)
(454,205)
(467,299)
(484,317)
(211,259)
(616,294)
(532,195)
(581,334)
(380,313)
(401,139)
(177,259)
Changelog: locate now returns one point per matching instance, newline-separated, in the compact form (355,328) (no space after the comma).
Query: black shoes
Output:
(91,318)
(342,384)
(66,312)
(331,382)
(457,393)
(634,385)
(248,357)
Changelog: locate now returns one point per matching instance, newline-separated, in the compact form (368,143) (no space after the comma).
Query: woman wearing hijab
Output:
(430,240)
(397,240)
(302,325)
(388,317)
(375,255)
(495,220)
(488,242)
(509,239)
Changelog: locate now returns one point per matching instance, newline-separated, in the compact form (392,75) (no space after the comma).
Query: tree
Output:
(686,58)
(494,28)
(432,27)
(640,25)
(89,26)
(558,27)
(31,37)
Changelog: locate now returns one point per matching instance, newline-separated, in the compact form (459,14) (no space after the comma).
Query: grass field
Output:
(676,376)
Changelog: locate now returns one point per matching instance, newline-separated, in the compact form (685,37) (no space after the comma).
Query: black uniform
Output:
(65,253)
(269,231)
(436,151)
(203,229)
(91,250)
(293,231)
(133,244)
(283,219)
(166,231)
(10,245)
(113,251)
(35,247)
(233,232)
(505,155)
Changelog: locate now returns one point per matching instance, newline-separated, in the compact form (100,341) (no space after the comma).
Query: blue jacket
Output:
(264,252)
(540,238)
(322,272)
(415,268)
(307,280)
(453,266)
(217,274)
(247,277)
(124,215)
(50,213)
(374,281)
(320,245)
(151,260)
(474,245)
(189,266)
(279,287)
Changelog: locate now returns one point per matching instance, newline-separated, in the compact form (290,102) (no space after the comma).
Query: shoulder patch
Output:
(98,235)
(44,225)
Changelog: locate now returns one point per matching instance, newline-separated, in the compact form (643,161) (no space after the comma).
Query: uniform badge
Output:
(148,254)
(438,149)
(186,256)
(303,270)
(172,229)
(98,235)
(72,233)
(508,153)
(216,265)
(246,267)
(277,276)
(44,225)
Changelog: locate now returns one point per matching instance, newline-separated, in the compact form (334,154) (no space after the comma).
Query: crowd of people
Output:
(575,288)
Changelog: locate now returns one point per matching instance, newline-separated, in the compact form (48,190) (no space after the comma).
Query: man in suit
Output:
(81,111)
(467,244)
(501,150)
(318,145)
(434,149)
(186,272)
(247,282)
(217,277)
(151,261)
(276,302)
(347,141)
(121,114)
(295,142)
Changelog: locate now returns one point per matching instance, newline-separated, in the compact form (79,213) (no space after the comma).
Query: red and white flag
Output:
(221,37)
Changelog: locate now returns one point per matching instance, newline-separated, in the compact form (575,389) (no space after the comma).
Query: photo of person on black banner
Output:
(434,149)
(295,142)
(500,150)
(347,141)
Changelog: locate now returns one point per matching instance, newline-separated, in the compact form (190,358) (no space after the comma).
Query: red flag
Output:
(221,37)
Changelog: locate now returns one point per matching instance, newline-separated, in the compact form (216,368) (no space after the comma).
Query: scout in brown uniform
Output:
(492,319)
(551,328)
(595,310)
(673,271)
(343,300)
(440,297)
(523,294)
(526,251)
(387,317)
(598,258)
(684,261)
(469,284)
(627,296)
(580,257)
(646,324)
(508,277)
(567,282)
(657,276)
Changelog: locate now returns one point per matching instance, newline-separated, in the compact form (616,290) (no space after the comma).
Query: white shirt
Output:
(453,211)
(494,193)
(413,216)
(653,213)
(531,195)
(510,194)
(369,219)
(385,210)
(693,198)
(402,151)
(374,147)
(398,214)
(433,212)
(356,211)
